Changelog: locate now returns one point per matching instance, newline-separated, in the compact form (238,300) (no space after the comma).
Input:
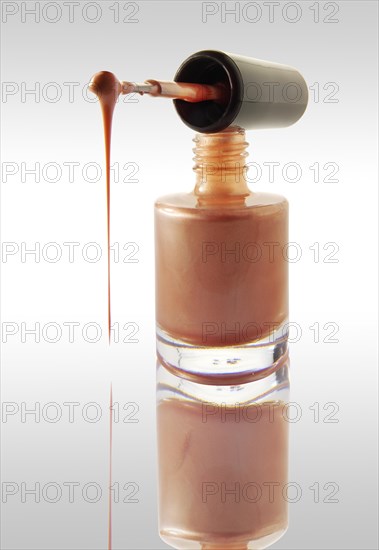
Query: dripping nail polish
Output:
(222,319)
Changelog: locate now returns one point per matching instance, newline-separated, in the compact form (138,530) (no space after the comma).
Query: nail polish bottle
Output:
(222,314)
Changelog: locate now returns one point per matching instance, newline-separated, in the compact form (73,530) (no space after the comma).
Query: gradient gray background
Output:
(150,134)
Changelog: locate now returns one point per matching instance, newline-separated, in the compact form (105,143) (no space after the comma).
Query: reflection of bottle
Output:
(222,311)
(222,462)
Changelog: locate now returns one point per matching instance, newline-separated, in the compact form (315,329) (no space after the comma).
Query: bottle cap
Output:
(258,94)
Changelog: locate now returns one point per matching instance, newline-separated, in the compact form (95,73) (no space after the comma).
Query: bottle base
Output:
(224,365)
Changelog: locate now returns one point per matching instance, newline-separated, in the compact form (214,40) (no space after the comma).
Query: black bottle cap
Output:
(258,94)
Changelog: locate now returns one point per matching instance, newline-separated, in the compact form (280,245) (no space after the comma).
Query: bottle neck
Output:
(220,165)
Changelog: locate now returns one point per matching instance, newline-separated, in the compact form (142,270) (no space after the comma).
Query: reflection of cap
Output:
(258,94)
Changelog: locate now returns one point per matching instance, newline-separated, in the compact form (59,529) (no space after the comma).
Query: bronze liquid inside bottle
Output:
(222,309)
(221,274)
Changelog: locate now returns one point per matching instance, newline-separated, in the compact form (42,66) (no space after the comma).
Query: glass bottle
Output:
(222,310)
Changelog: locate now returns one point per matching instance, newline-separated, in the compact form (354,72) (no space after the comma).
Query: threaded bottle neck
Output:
(220,165)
